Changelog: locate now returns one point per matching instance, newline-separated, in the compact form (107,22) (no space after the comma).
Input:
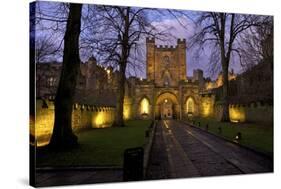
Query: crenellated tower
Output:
(166,65)
(150,58)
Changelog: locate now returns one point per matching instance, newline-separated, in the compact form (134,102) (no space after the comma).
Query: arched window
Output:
(190,106)
(144,106)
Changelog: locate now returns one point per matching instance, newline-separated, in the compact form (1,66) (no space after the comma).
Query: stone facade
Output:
(96,85)
(165,93)
(83,117)
(166,90)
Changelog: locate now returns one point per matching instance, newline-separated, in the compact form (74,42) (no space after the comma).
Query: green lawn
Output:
(255,136)
(99,147)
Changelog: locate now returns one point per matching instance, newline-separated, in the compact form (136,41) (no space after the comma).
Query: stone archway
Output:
(167,106)
(144,108)
(190,106)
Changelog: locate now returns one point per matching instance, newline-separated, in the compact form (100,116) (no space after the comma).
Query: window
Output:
(51,81)
(190,106)
(144,106)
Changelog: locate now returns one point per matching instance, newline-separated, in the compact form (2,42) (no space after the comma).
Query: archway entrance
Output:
(166,106)
(167,109)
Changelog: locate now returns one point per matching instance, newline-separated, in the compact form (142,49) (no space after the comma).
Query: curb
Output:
(82,168)
(238,144)
(147,149)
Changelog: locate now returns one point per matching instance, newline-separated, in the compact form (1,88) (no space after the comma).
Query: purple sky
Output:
(166,21)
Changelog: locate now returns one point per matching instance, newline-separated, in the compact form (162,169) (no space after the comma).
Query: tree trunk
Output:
(225,104)
(63,136)
(119,119)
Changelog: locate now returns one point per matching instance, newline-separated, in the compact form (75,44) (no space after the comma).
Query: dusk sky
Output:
(180,27)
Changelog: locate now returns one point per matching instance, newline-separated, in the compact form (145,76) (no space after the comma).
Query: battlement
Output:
(150,40)
(165,47)
(181,41)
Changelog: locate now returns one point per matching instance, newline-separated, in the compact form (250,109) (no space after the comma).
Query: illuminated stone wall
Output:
(206,107)
(166,65)
(83,117)
(255,112)
(127,108)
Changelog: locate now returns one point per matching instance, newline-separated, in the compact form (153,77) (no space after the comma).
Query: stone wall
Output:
(83,117)
(206,106)
(255,112)
(166,65)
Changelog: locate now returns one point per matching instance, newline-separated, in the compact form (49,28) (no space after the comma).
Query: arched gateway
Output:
(167,106)
(166,93)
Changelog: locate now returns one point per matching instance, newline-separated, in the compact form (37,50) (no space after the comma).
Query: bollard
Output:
(151,125)
(147,133)
(220,130)
(207,127)
(238,136)
(199,124)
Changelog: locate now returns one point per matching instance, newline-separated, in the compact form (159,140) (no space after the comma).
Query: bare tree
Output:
(45,48)
(63,136)
(256,44)
(220,31)
(116,37)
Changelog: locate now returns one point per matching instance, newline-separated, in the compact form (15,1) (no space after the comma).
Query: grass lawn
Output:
(99,147)
(255,136)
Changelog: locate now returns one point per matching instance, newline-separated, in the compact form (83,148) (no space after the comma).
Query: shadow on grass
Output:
(97,147)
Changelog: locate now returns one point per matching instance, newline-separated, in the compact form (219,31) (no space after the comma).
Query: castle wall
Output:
(207,108)
(255,112)
(83,117)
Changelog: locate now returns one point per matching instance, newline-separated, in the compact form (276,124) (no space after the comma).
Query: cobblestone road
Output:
(181,151)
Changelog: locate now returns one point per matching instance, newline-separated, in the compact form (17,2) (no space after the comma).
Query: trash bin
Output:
(133,164)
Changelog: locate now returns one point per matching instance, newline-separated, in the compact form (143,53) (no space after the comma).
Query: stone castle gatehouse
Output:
(166,93)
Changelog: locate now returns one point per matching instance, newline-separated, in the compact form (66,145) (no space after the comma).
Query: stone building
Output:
(95,85)
(166,92)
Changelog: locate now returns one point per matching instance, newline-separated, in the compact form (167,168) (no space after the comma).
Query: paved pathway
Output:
(181,151)
(70,177)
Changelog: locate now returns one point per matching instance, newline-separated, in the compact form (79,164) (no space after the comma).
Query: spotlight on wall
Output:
(166,100)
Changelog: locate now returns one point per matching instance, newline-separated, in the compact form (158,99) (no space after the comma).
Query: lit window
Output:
(51,81)
(144,106)
(190,105)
